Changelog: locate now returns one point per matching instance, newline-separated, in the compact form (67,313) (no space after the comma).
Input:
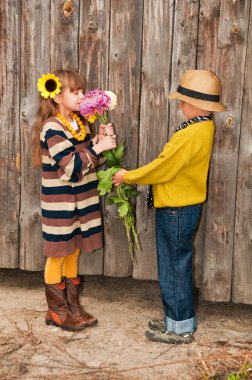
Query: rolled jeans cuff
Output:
(179,327)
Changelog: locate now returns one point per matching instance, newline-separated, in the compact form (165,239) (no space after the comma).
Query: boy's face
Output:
(191,111)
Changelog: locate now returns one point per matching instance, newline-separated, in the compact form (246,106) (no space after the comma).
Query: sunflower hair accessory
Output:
(49,85)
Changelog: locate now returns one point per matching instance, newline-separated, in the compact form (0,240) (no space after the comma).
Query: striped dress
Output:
(71,216)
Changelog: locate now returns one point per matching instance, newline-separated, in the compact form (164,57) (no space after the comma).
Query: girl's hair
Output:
(48,107)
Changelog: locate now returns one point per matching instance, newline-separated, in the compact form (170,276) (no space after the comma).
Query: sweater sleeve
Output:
(175,155)
(73,164)
(101,159)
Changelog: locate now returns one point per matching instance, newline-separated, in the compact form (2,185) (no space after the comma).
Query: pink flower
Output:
(96,103)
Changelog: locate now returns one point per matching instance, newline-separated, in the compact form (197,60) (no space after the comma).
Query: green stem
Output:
(137,245)
(130,243)
(104,118)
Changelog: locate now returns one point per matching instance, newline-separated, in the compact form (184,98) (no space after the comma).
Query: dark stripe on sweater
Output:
(69,189)
(91,150)
(50,168)
(52,132)
(52,214)
(77,163)
(60,155)
(69,198)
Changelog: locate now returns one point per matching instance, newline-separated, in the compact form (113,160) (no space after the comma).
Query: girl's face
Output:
(69,101)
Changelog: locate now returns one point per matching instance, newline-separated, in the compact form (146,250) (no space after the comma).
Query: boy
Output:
(179,180)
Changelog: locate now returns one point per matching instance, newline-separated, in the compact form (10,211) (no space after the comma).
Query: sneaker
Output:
(157,325)
(169,337)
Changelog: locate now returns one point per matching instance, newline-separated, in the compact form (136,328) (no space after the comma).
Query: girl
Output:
(179,177)
(71,218)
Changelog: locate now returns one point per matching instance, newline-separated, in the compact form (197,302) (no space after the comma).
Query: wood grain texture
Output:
(35,60)
(64,36)
(156,58)
(184,57)
(10,139)
(230,66)
(209,15)
(124,80)
(184,52)
(94,43)
(93,65)
(242,262)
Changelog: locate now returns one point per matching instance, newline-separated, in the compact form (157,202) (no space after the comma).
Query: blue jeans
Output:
(175,231)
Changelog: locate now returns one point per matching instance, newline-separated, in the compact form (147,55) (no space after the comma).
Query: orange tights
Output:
(58,267)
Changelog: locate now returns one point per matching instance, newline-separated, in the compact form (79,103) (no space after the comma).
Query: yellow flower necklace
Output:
(78,137)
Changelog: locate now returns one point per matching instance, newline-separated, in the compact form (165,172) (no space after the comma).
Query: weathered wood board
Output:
(242,262)
(93,65)
(35,60)
(230,66)
(10,137)
(124,80)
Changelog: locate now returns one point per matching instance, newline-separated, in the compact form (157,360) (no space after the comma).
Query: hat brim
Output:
(202,104)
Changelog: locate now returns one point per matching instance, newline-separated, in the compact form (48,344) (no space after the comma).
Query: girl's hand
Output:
(101,131)
(105,130)
(106,143)
(117,178)
(109,130)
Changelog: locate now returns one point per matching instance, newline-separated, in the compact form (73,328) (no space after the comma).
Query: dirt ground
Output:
(117,347)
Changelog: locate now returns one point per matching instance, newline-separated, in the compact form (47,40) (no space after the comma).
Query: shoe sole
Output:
(67,328)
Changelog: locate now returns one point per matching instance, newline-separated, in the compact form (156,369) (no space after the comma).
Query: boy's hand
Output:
(117,179)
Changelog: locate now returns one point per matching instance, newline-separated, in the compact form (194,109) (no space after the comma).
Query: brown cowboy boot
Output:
(73,290)
(58,313)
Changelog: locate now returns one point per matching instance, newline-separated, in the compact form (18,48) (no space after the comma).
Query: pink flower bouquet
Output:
(96,104)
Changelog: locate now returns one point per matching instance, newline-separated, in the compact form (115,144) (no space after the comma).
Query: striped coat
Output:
(71,216)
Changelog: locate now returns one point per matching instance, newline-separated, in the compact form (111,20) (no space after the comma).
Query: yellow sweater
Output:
(179,173)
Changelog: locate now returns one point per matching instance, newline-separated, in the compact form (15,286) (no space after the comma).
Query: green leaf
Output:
(105,180)
(110,158)
(130,191)
(119,151)
(113,199)
(110,199)
(123,209)
(114,156)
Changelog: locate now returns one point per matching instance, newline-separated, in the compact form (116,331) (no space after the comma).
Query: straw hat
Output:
(201,88)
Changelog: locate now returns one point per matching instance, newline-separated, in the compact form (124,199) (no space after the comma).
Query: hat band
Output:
(198,95)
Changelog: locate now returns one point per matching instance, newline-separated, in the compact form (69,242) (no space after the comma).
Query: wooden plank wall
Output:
(138,49)
(242,279)
(10,139)
(157,19)
(34,57)
(232,42)
(124,79)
